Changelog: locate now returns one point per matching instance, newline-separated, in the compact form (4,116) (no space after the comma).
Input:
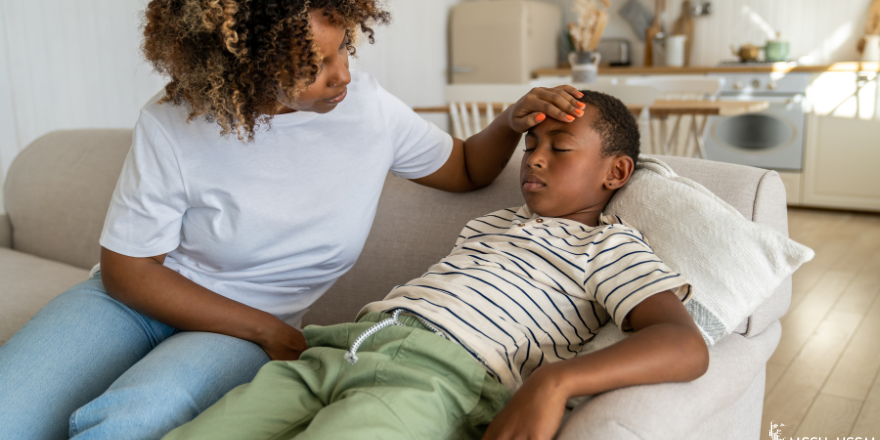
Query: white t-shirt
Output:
(273,223)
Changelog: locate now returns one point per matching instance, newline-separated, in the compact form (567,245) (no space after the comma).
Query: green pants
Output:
(408,383)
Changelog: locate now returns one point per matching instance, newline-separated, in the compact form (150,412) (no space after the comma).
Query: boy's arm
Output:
(666,347)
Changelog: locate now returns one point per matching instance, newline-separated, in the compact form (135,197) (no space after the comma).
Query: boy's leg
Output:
(407,383)
(427,409)
(278,401)
(412,384)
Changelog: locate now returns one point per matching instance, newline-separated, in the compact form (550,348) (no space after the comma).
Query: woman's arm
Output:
(666,347)
(147,286)
(477,161)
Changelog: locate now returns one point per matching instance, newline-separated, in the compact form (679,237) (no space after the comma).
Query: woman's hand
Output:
(534,412)
(283,342)
(559,103)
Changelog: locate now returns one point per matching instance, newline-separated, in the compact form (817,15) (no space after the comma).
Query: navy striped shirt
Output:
(519,290)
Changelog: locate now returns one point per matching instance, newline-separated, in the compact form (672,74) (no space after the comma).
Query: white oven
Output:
(773,138)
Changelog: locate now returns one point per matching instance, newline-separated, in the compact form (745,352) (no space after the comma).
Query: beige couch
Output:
(58,190)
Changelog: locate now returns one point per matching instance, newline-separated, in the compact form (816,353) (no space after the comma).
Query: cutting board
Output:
(872,26)
(684,25)
(652,32)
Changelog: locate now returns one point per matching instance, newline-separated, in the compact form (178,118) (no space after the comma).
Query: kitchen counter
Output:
(744,68)
(658,108)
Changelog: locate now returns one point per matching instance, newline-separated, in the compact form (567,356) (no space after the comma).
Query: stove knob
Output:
(756,84)
(739,85)
(771,86)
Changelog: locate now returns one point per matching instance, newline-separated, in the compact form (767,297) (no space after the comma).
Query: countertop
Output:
(745,68)
(658,108)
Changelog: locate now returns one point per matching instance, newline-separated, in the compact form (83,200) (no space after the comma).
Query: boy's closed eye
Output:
(531,143)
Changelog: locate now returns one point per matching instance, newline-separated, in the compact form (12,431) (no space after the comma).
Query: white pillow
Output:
(733,264)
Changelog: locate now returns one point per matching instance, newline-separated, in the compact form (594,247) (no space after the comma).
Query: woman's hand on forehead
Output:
(558,102)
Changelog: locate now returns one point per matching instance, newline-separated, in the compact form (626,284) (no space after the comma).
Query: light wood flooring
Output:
(822,381)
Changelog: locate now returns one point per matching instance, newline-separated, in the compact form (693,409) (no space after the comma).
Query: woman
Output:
(249,189)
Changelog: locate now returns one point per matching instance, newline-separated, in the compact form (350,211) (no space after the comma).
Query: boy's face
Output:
(563,173)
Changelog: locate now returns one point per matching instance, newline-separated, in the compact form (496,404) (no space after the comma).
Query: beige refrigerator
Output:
(503,41)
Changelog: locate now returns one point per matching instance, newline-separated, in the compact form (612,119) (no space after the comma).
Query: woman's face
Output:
(329,88)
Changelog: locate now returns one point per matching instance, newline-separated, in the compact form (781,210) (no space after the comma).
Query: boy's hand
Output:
(533,108)
(534,412)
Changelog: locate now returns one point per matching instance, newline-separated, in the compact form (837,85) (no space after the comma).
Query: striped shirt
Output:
(519,290)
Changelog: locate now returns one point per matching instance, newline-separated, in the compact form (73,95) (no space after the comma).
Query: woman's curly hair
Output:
(228,58)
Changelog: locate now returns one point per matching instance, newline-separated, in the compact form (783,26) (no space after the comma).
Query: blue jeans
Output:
(88,367)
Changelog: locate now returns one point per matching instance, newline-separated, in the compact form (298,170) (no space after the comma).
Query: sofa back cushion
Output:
(416,226)
(58,190)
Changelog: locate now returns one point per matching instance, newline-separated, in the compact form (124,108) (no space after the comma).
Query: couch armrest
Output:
(673,410)
(5,231)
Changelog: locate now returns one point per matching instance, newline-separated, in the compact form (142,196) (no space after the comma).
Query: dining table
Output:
(662,111)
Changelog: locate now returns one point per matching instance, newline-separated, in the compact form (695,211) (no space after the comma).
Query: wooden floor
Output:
(822,381)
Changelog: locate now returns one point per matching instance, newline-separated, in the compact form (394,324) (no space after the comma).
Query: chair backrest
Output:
(465,101)
(681,87)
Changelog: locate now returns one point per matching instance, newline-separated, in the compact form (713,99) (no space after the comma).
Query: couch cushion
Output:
(29,283)
(58,191)
(5,231)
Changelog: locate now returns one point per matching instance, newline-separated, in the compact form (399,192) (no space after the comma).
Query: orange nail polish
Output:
(540,117)
(569,117)
(581,104)
(579,112)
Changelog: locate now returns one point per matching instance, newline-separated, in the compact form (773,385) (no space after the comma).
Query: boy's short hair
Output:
(615,124)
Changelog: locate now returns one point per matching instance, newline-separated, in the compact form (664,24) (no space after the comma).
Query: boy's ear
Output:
(619,172)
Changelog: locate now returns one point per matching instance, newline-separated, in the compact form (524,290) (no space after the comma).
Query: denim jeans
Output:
(88,367)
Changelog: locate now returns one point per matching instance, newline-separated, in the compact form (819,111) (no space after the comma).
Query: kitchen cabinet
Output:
(841,163)
(844,94)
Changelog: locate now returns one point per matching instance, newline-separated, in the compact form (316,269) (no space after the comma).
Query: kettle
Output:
(746,52)
(775,50)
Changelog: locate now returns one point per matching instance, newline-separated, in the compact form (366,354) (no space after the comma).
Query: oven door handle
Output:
(788,101)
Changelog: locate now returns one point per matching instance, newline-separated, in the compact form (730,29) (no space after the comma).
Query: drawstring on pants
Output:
(351,355)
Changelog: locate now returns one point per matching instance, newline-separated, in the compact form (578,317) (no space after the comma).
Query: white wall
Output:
(824,30)
(69,64)
(76,63)
(410,56)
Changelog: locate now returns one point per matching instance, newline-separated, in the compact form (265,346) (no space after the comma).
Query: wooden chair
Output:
(679,88)
(467,103)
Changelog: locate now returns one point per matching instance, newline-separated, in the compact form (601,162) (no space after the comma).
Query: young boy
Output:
(490,333)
